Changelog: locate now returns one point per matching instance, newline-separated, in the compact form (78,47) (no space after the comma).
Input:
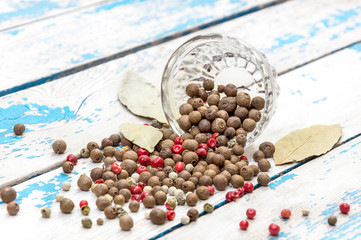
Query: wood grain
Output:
(15,13)
(297,90)
(35,53)
(319,186)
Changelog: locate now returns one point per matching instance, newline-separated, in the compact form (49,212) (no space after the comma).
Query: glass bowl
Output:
(225,60)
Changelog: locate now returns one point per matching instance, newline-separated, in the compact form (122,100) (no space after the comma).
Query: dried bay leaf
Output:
(304,143)
(143,136)
(141,97)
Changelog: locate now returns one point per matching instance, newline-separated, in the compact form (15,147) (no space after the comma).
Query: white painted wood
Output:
(14,13)
(53,45)
(319,186)
(70,109)
(42,190)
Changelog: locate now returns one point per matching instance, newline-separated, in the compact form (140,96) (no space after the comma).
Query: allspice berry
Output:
(219,125)
(241,139)
(126,222)
(223,114)
(160,197)
(109,151)
(230,90)
(154,181)
(202,192)
(134,206)
(184,109)
(234,122)
(243,99)
(208,84)
(100,189)
(258,155)
(149,201)
(110,212)
(255,115)
(19,129)
(185,123)
(119,200)
(204,125)
(255,169)
(102,202)
(126,142)
(190,145)
(195,117)
(220,182)
(237,149)
(8,194)
(228,104)
(193,214)
(246,172)
(67,167)
(92,145)
(158,216)
(12,208)
(264,165)
(100,221)
(192,90)
(192,199)
(188,186)
(84,182)
(241,113)
(258,103)
(263,179)
(332,220)
(249,124)
(267,148)
(96,155)
(59,146)
(213,99)
(237,181)
(66,205)
(96,173)
(197,102)
(115,138)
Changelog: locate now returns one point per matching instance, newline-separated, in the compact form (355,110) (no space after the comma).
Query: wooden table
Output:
(60,66)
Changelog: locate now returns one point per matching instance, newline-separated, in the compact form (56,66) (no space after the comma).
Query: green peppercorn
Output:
(19,129)
(85,153)
(87,222)
(208,207)
(332,220)
(45,212)
(172,202)
(85,210)
(181,201)
(155,123)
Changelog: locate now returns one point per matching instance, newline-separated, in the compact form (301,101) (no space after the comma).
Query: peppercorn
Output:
(115,138)
(84,182)
(12,208)
(237,149)
(305,212)
(106,142)
(96,155)
(188,186)
(8,194)
(255,115)
(85,209)
(202,193)
(181,201)
(19,129)
(211,173)
(205,181)
(66,186)
(92,145)
(222,140)
(224,151)
(184,109)
(230,90)
(59,146)
(110,212)
(178,182)
(219,125)
(332,220)
(213,99)
(59,197)
(154,181)
(255,169)
(131,182)
(241,139)
(208,208)
(129,165)
(193,214)
(243,99)
(191,199)
(258,103)
(100,221)
(249,124)
(66,205)
(241,113)
(185,220)
(197,102)
(237,181)
(160,197)
(229,133)
(119,200)
(220,182)
(192,90)
(125,142)
(85,153)
(218,159)
(86,222)
(234,122)
(208,84)
(246,172)
(45,212)
(132,155)
(149,201)
(267,148)
(102,202)
(100,189)
(264,165)
(126,222)
(158,216)
(123,174)
(109,175)
(257,155)
(228,104)
(227,175)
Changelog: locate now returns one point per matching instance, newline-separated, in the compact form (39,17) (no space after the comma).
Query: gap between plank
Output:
(121,54)
(219,205)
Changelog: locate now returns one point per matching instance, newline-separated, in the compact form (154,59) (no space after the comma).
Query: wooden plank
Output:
(18,13)
(49,47)
(61,105)
(300,88)
(319,186)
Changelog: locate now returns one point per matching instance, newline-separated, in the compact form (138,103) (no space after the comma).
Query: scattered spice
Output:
(12,208)
(45,212)
(19,129)
(86,222)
